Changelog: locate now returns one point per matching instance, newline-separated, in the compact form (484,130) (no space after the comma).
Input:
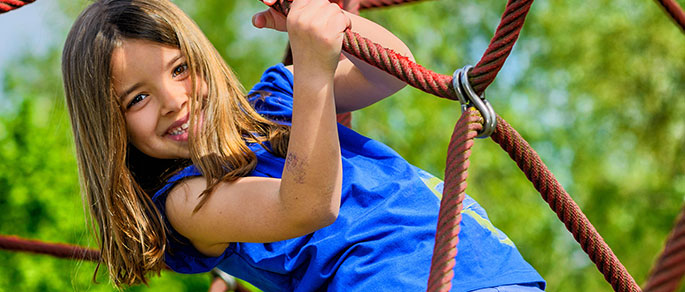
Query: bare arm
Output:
(308,195)
(357,84)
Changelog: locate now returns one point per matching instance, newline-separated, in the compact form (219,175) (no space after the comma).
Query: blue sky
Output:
(32,28)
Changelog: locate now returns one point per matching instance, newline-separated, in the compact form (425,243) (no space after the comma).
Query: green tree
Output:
(595,87)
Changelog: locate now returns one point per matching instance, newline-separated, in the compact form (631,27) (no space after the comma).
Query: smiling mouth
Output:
(179,130)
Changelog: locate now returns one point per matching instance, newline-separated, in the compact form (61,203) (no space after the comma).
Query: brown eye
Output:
(180,69)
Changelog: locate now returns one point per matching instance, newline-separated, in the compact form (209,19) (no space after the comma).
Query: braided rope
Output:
(669,269)
(447,233)
(481,76)
(501,45)
(675,11)
(563,205)
(398,65)
(438,84)
(366,4)
(59,250)
(8,5)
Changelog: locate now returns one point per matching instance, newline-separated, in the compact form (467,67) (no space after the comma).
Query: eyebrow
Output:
(139,84)
(171,63)
(129,90)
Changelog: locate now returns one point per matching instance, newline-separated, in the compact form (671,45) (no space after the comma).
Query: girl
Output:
(268,188)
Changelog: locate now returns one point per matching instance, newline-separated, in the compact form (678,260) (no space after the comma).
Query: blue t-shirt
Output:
(383,237)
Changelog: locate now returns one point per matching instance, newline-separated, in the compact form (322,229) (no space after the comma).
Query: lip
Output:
(177,123)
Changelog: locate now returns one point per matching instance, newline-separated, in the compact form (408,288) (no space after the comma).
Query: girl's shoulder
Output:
(187,172)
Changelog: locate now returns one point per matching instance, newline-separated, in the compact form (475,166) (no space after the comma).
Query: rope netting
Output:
(670,267)
(7,5)
(674,11)
(60,250)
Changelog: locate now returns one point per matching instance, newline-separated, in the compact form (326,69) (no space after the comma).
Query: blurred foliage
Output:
(595,87)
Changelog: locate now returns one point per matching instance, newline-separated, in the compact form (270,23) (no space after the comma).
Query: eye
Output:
(180,70)
(136,99)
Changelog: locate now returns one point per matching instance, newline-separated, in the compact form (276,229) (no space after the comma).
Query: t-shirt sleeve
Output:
(180,255)
(272,96)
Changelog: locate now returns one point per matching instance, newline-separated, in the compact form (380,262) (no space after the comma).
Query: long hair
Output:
(116,189)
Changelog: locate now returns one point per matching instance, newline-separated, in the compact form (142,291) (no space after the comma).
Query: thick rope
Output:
(438,84)
(501,45)
(59,250)
(675,11)
(398,65)
(366,4)
(447,233)
(563,205)
(481,76)
(668,272)
(7,5)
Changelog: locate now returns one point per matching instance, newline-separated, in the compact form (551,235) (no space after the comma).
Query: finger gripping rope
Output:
(7,5)
(438,84)
(481,76)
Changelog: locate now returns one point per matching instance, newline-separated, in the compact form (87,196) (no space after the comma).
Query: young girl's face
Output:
(153,84)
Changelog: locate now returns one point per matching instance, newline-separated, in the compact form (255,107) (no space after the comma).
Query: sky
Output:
(32,28)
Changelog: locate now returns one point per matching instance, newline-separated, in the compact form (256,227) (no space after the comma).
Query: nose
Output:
(173,99)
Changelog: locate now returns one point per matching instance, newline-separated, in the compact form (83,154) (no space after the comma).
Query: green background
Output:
(596,87)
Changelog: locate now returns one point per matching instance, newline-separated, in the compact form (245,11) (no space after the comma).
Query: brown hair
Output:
(129,229)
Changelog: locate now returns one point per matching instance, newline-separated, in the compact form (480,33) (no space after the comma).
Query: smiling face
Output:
(153,85)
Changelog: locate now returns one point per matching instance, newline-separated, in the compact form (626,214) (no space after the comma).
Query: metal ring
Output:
(230,281)
(468,97)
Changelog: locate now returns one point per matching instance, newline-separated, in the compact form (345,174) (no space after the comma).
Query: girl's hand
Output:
(315,29)
(269,18)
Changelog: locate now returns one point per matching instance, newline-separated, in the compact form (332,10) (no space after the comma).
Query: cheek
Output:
(140,129)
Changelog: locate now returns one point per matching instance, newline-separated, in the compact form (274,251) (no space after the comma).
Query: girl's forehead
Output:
(143,50)
(135,61)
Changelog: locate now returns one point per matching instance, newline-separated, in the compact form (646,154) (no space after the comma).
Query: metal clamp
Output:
(230,281)
(468,98)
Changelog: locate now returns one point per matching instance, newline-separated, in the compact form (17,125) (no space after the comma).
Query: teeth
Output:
(179,130)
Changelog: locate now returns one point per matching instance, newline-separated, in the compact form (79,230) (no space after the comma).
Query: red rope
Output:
(563,205)
(481,77)
(501,45)
(398,65)
(437,84)
(447,233)
(7,5)
(669,269)
(59,250)
(366,4)
(675,11)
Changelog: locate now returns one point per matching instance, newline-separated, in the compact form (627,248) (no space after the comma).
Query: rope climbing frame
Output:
(670,267)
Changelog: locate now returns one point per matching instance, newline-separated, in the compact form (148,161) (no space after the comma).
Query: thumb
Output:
(269,18)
